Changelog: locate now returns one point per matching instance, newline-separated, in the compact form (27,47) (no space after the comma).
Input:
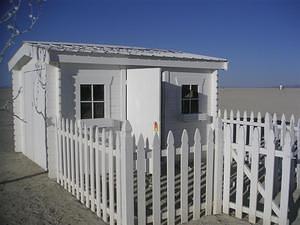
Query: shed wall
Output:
(73,74)
(172,118)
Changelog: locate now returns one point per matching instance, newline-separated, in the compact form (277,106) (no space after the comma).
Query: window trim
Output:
(92,101)
(190,99)
(93,77)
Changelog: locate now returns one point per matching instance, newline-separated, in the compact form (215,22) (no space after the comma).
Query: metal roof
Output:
(121,50)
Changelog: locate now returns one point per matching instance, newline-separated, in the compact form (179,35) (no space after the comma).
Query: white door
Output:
(144,101)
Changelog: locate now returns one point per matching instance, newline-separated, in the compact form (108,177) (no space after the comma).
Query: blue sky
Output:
(260,38)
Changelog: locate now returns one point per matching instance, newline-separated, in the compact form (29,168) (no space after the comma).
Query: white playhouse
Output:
(156,90)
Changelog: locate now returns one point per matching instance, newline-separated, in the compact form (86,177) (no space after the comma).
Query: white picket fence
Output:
(260,173)
(109,173)
(233,173)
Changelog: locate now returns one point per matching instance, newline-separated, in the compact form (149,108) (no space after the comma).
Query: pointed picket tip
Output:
(63,123)
(197,136)
(259,117)
(292,120)
(283,118)
(231,114)
(97,132)
(238,115)
(71,125)
(170,138)
(141,142)
(219,113)
(67,124)
(184,137)
(268,121)
(225,114)
(274,118)
(251,116)
(110,137)
(126,126)
(245,116)
(156,141)
(267,116)
(103,133)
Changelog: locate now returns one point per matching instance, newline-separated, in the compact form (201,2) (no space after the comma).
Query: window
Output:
(91,101)
(189,99)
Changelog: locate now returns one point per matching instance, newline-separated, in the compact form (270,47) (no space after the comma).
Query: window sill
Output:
(195,117)
(103,123)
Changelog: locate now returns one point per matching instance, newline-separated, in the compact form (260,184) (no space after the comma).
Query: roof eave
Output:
(141,61)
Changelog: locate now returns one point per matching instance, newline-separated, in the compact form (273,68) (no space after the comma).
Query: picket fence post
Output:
(127,174)
(209,172)
(170,179)
(218,170)
(227,167)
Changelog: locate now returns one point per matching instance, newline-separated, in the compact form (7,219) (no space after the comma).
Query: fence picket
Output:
(225,114)
(68,155)
(218,170)
(64,153)
(170,179)
(209,172)
(81,163)
(240,171)
(141,181)
(103,173)
(231,124)
(92,170)
(197,175)
(72,157)
(285,184)
(156,154)
(227,167)
(298,154)
(86,164)
(127,174)
(97,162)
(269,164)
(283,130)
(111,179)
(254,175)
(76,160)
(259,121)
(118,179)
(59,143)
(184,177)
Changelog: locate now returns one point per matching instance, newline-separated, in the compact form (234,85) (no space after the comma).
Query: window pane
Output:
(194,106)
(98,91)
(185,106)
(99,110)
(86,110)
(85,93)
(185,91)
(194,91)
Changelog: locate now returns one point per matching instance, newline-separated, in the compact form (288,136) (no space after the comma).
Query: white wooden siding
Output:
(70,73)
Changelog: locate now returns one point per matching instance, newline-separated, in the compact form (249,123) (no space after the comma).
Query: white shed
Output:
(156,90)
